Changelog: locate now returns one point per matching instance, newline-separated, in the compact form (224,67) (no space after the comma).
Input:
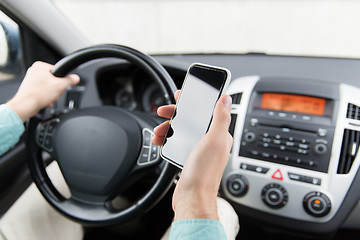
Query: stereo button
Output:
(304,146)
(320,148)
(322,132)
(254,168)
(302,151)
(249,137)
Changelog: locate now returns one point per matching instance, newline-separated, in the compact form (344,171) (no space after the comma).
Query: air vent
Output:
(349,149)
(232,124)
(236,98)
(353,112)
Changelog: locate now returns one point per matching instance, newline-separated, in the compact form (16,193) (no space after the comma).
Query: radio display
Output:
(293,103)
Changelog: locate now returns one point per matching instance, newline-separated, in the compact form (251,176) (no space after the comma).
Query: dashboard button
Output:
(277,175)
(296,177)
(304,146)
(305,179)
(254,168)
(249,137)
(254,152)
(320,148)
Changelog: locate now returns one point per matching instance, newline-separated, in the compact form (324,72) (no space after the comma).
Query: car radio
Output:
(286,125)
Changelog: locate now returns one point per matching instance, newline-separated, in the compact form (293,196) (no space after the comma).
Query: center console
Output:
(295,147)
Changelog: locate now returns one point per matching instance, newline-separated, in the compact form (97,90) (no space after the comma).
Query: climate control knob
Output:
(237,185)
(274,195)
(317,204)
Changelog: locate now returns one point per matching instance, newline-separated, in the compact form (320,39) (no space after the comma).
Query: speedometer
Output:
(153,98)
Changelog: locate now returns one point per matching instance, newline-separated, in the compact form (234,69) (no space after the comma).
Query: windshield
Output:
(328,28)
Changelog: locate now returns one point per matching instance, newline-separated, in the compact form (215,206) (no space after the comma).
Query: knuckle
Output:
(37,64)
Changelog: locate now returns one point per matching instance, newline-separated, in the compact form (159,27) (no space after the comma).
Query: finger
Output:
(166,111)
(162,129)
(158,140)
(177,94)
(69,80)
(221,116)
(73,78)
(40,64)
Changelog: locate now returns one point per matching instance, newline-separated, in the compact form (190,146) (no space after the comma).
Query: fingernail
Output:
(227,101)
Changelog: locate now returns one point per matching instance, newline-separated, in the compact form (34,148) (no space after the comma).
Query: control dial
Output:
(317,204)
(320,148)
(249,137)
(237,185)
(274,195)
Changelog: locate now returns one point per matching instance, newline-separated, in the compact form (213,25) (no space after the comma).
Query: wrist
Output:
(24,108)
(197,207)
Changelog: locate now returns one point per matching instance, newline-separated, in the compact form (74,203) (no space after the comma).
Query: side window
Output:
(11,58)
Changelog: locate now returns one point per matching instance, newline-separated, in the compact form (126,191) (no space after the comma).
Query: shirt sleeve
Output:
(199,229)
(11,128)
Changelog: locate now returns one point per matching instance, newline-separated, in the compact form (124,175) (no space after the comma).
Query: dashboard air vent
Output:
(232,124)
(349,149)
(353,112)
(236,98)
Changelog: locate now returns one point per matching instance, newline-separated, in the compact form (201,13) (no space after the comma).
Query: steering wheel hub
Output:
(106,139)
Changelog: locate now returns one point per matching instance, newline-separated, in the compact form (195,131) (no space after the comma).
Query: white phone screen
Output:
(202,87)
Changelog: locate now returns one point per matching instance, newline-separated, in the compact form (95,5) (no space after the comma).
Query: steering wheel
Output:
(100,149)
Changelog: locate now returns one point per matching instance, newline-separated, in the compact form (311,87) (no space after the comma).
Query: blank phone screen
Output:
(201,89)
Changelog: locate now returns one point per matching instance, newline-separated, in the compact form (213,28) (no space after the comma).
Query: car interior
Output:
(293,170)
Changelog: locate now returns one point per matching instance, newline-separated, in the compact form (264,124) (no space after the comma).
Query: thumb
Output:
(73,79)
(221,116)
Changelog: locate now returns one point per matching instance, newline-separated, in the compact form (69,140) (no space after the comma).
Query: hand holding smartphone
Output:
(202,87)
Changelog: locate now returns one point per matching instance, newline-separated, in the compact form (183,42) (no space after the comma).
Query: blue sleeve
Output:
(11,128)
(198,229)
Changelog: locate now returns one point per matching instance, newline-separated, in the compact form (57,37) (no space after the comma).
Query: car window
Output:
(11,60)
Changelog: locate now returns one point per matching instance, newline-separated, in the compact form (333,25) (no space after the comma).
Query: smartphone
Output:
(202,87)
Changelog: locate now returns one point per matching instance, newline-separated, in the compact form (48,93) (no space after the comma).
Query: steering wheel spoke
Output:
(44,134)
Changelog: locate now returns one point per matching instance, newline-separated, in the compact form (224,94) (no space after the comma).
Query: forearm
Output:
(24,108)
(11,128)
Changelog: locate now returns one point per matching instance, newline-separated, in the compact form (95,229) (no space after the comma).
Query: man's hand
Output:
(39,89)
(196,191)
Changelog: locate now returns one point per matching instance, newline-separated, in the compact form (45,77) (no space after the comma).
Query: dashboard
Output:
(296,126)
(295,147)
